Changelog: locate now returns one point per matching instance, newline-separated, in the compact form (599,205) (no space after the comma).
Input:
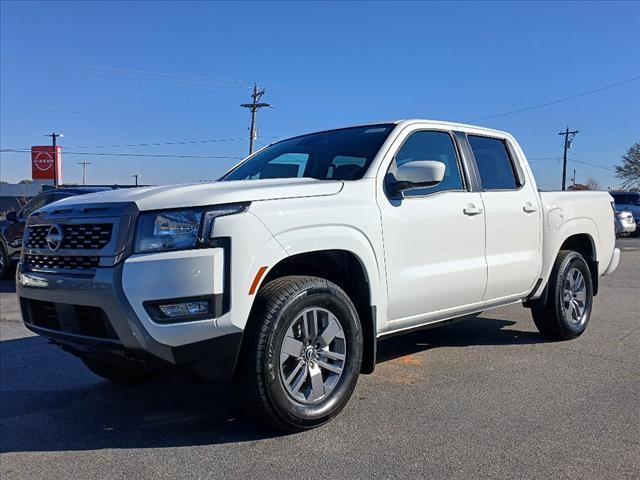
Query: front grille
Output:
(44,314)
(61,262)
(93,236)
(77,319)
(93,322)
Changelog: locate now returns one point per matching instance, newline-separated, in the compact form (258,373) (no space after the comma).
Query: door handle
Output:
(471,210)
(529,207)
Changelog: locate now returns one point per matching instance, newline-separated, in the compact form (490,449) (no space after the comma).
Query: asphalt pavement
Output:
(481,398)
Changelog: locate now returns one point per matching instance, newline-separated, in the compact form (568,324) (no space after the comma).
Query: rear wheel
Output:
(118,373)
(302,355)
(570,298)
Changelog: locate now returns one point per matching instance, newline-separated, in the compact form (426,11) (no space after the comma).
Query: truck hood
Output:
(211,193)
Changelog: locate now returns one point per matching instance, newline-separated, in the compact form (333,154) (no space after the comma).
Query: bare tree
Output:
(629,171)
(593,184)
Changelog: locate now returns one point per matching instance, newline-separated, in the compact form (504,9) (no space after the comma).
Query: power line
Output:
(121,154)
(190,81)
(592,165)
(559,100)
(155,144)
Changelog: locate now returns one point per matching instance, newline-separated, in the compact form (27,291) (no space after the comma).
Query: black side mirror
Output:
(12,216)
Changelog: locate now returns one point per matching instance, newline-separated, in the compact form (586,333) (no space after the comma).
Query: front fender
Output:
(341,237)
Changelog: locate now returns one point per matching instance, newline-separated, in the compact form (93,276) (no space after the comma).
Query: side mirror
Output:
(12,216)
(418,174)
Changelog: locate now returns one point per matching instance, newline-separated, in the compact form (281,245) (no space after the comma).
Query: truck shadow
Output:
(462,333)
(50,402)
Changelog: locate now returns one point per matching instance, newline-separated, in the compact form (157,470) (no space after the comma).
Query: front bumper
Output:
(92,316)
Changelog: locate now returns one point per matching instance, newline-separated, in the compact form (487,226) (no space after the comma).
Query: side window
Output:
(494,163)
(34,204)
(430,145)
(289,165)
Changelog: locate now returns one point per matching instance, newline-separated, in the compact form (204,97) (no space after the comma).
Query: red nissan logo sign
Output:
(43,161)
(42,167)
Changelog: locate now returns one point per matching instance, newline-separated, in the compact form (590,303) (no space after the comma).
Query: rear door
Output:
(513,218)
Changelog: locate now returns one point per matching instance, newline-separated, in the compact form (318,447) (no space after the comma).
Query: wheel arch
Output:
(580,235)
(584,244)
(349,272)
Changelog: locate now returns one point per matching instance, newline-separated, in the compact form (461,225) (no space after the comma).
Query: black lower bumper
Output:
(90,316)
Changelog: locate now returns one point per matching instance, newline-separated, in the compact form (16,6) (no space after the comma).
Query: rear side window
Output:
(430,145)
(494,163)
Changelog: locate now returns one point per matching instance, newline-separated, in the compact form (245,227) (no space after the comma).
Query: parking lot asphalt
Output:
(481,398)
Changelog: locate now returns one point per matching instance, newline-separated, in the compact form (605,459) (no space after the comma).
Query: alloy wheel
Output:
(313,355)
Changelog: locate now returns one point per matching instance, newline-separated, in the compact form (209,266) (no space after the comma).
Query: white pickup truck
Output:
(284,274)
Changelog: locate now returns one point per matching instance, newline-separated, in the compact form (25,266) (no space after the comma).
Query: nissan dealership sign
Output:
(42,163)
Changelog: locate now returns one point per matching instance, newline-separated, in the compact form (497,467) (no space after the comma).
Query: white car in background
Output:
(625,224)
(628,202)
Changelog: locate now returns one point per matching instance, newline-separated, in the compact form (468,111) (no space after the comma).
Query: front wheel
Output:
(303,351)
(570,298)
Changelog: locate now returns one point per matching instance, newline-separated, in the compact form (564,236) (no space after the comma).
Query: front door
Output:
(434,238)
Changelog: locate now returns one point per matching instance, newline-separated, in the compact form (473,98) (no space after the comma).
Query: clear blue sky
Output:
(127,73)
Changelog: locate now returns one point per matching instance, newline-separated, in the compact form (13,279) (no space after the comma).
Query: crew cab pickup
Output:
(285,273)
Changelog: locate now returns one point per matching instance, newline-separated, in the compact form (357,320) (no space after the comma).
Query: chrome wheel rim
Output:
(574,297)
(313,355)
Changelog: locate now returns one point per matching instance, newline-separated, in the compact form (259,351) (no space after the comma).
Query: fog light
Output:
(185,309)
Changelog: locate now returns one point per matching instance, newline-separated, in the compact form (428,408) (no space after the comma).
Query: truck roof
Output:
(411,121)
(444,123)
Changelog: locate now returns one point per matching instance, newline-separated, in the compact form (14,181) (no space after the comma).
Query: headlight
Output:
(179,229)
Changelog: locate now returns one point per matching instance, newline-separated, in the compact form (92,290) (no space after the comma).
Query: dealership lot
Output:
(485,397)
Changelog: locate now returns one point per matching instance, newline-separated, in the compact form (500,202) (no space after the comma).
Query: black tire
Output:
(118,373)
(5,264)
(259,376)
(553,320)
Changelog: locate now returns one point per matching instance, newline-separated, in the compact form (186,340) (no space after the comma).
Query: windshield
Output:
(343,154)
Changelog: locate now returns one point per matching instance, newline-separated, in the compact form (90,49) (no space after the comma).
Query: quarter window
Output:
(494,163)
(430,145)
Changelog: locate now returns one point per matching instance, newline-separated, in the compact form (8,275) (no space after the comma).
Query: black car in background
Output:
(12,228)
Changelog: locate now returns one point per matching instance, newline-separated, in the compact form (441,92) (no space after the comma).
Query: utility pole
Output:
(54,136)
(568,138)
(136,175)
(254,106)
(84,164)
(573,180)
